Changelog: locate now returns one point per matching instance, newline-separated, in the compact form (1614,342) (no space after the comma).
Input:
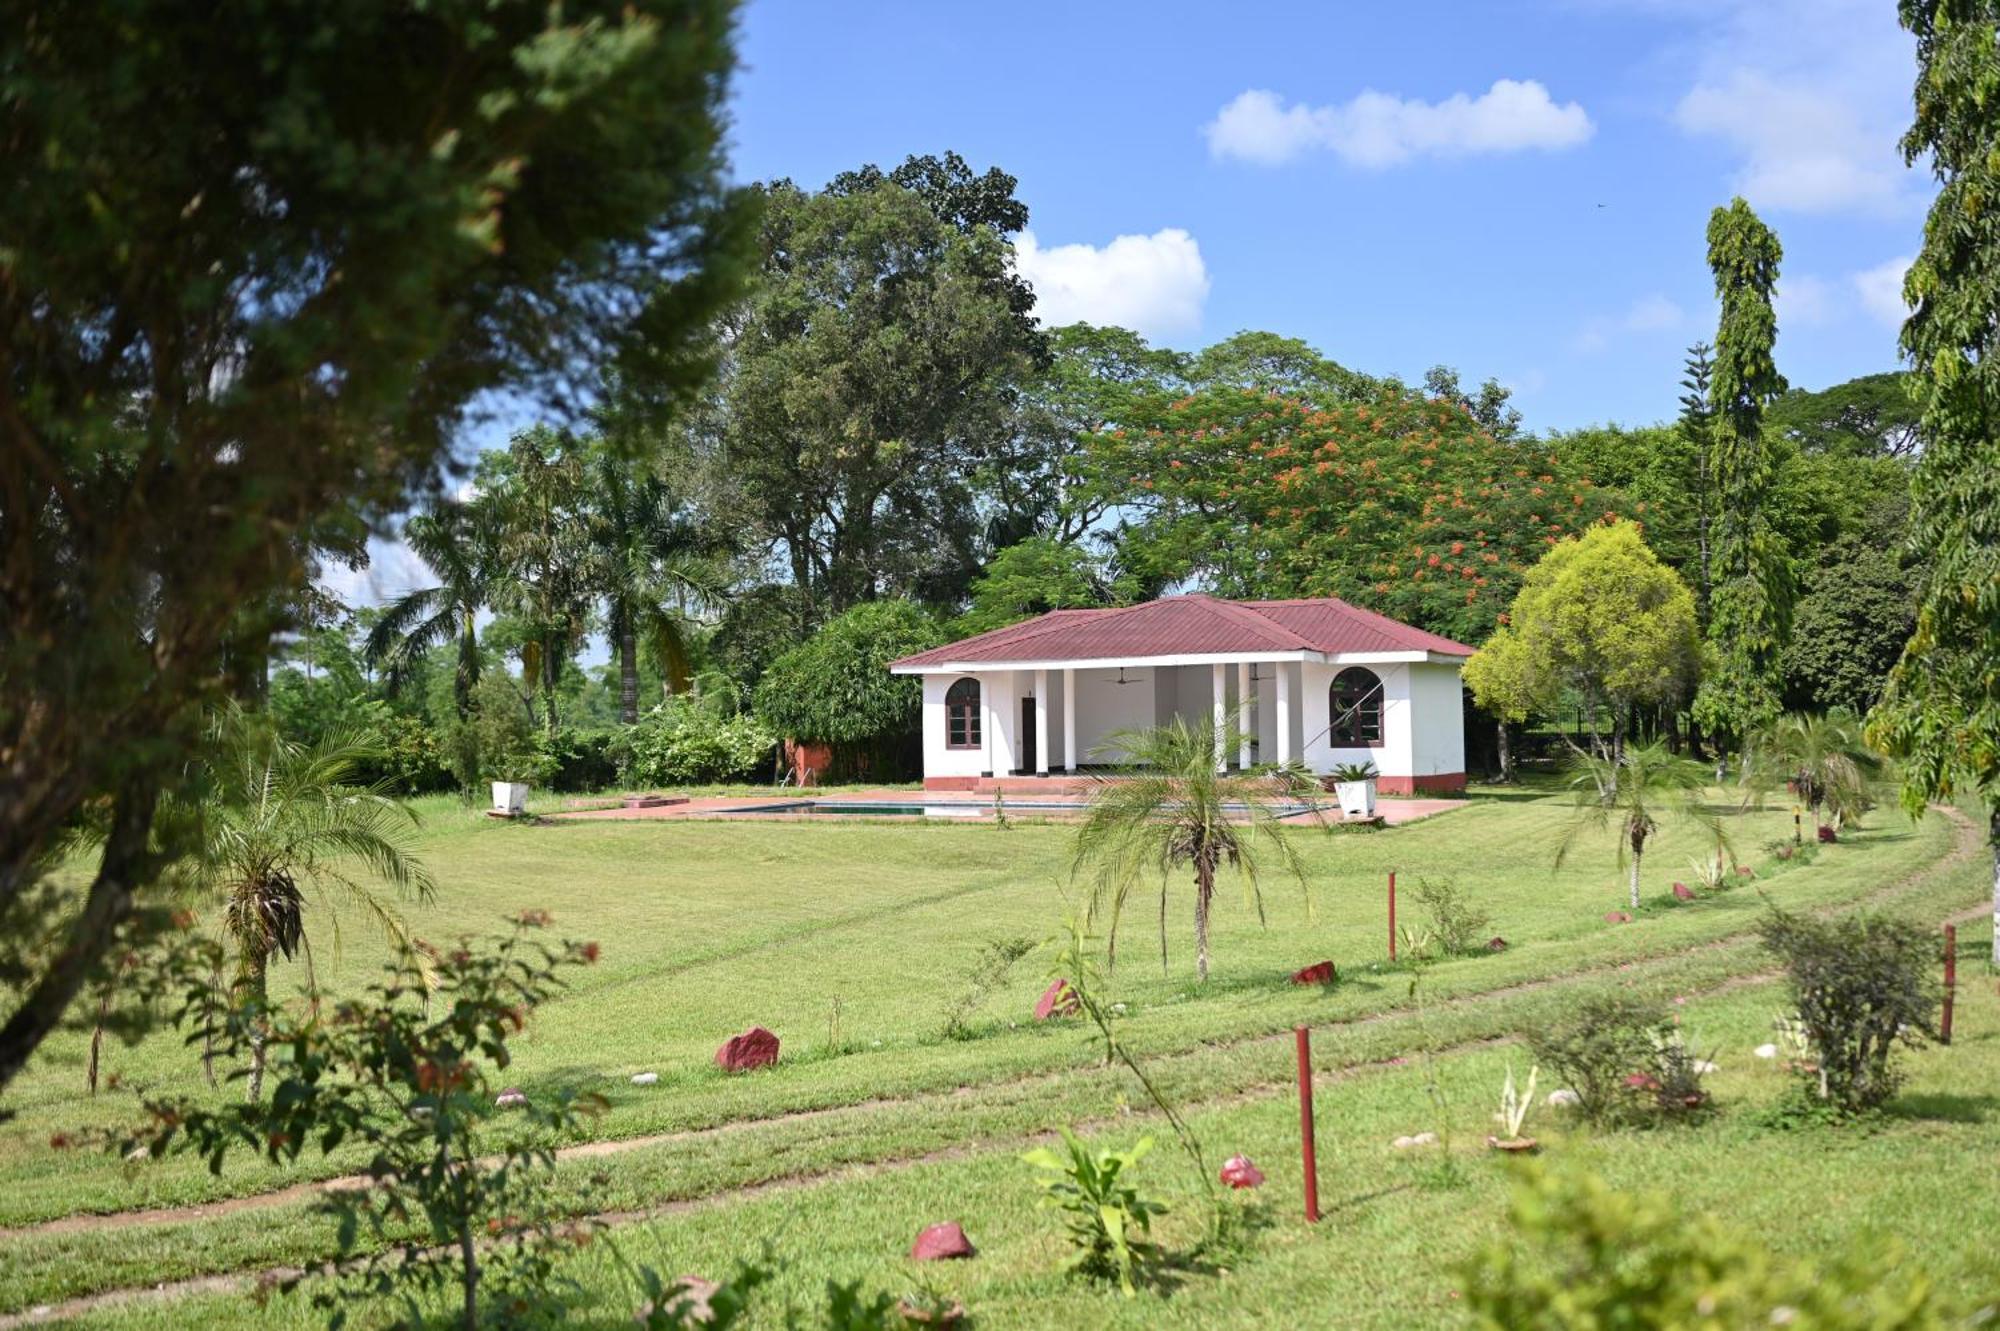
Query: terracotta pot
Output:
(1514,1145)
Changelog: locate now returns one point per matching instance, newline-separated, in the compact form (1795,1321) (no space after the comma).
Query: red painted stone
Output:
(1683,892)
(1238,1172)
(1826,834)
(1058,1000)
(1496,944)
(1617,917)
(1320,972)
(755,1048)
(941,1243)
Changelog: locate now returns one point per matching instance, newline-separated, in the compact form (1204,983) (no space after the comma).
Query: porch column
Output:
(1218,681)
(1069,719)
(1246,720)
(1284,713)
(988,719)
(1041,723)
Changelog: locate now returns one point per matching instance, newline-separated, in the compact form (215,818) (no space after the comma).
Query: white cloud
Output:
(393,569)
(1881,291)
(1376,129)
(1811,96)
(1648,314)
(1802,300)
(1155,285)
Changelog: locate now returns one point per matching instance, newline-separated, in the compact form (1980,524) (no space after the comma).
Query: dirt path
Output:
(1966,843)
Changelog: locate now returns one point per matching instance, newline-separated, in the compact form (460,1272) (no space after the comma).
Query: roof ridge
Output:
(1242,613)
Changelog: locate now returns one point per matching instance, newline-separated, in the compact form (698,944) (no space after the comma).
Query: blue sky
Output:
(1351,201)
(1400,185)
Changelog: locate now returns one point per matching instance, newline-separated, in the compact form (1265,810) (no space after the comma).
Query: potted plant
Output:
(1354,783)
(510,798)
(1514,1106)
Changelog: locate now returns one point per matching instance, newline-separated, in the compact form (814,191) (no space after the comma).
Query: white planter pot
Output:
(510,796)
(1357,798)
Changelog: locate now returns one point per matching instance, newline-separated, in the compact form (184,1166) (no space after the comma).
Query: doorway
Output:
(1029,763)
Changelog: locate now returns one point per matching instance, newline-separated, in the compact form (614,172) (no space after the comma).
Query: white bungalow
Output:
(1320,681)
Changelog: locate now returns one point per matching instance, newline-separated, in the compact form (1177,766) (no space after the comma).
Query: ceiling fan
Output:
(1122,680)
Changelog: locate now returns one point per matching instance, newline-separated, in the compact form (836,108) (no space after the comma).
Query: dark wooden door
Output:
(1028,756)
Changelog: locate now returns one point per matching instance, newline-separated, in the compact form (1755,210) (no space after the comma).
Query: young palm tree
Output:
(282,820)
(1823,758)
(1170,808)
(459,541)
(1644,785)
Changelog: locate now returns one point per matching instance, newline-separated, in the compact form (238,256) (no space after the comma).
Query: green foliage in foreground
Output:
(1597,1257)
(1110,1221)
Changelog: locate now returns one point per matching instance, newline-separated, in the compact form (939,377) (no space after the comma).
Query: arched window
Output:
(961,715)
(1355,703)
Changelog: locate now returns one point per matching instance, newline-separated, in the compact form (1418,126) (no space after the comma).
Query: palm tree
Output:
(1169,808)
(1636,790)
(1823,759)
(282,819)
(459,542)
(656,565)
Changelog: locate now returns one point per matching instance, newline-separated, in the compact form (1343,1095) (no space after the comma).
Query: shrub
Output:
(415,760)
(580,760)
(1586,1256)
(1110,1221)
(1458,926)
(1596,1053)
(835,688)
(405,1072)
(1863,985)
(688,741)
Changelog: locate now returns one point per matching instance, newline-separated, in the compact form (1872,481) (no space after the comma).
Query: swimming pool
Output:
(949,808)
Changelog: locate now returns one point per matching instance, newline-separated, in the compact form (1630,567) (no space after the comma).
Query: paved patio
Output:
(1052,798)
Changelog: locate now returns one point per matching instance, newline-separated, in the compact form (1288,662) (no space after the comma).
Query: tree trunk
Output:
(628,670)
(1993,840)
(551,672)
(1636,857)
(123,866)
(1204,888)
(1506,751)
(255,986)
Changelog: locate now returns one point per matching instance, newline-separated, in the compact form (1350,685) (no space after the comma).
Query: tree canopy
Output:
(836,688)
(246,313)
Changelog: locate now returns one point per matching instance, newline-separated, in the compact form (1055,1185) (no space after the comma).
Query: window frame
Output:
(972,721)
(1354,736)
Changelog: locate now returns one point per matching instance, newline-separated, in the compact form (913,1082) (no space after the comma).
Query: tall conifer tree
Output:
(1749,617)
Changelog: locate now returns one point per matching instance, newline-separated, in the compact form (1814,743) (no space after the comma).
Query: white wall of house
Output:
(1423,727)
(1437,696)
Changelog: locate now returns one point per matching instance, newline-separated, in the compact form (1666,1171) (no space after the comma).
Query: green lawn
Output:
(709,927)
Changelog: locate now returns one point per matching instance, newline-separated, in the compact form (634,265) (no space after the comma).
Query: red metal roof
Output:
(1193,625)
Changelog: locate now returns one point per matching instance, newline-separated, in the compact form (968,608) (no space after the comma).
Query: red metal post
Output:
(1950,981)
(1392,915)
(1304,1038)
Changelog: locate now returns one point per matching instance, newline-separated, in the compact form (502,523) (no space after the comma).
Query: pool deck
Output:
(1056,804)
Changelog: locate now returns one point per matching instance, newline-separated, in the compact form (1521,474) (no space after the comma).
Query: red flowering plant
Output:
(1400,503)
(455,1195)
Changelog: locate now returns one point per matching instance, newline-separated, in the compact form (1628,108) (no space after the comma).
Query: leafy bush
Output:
(1458,926)
(580,760)
(1597,1052)
(836,688)
(1863,985)
(1109,1220)
(414,761)
(689,742)
(1586,1256)
(406,1072)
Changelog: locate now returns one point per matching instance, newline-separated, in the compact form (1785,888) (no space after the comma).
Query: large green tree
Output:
(254,271)
(1751,597)
(539,488)
(459,541)
(874,369)
(1941,713)
(1600,621)
(835,688)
